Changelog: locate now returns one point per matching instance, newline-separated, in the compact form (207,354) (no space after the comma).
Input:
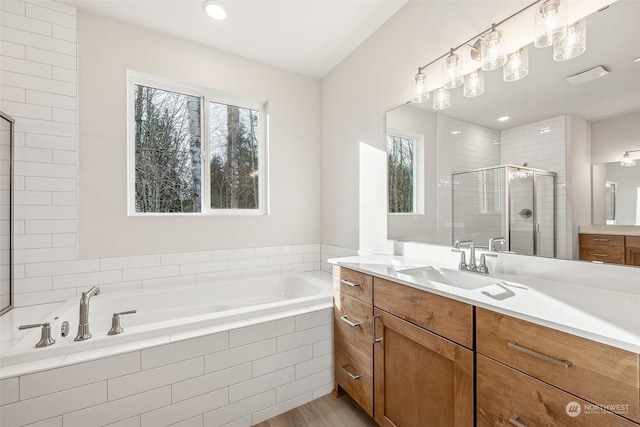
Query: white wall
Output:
(372,80)
(107,49)
(612,136)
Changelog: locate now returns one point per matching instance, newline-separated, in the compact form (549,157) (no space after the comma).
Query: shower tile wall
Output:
(540,145)
(462,147)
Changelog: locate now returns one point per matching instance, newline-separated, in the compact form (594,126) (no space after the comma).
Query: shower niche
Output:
(516,203)
(6,267)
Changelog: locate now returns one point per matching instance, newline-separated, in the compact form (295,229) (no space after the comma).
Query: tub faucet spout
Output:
(83,324)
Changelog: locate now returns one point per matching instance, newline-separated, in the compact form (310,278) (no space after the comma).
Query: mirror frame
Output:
(12,124)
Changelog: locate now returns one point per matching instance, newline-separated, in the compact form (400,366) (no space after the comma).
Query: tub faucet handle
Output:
(45,336)
(115,322)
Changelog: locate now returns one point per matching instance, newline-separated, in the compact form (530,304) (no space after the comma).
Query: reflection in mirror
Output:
(6,270)
(551,128)
(616,194)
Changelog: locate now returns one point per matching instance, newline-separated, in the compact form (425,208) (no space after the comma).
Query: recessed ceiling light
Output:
(503,118)
(637,59)
(456,132)
(215,10)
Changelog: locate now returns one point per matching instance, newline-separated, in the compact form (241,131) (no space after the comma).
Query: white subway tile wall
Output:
(239,377)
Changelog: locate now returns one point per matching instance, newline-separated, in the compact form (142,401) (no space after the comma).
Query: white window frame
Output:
(206,96)
(418,171)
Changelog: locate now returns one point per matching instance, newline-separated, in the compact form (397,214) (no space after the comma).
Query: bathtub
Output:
(170,314)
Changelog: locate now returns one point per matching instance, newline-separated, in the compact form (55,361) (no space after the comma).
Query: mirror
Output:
(6,268)
(549,131)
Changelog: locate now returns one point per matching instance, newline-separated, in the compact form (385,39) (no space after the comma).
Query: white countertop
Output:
(600,315)
(620,230)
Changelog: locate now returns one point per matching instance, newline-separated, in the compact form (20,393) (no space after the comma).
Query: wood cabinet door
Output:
(421,379)
(633,256)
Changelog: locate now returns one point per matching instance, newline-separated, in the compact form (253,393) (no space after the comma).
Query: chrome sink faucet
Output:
(83,324)
(471,266)
(494,240)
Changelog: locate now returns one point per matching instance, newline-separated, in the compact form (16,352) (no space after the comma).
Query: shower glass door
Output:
(521,211)
(545,214)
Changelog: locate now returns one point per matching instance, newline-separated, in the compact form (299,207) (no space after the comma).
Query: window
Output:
(401,173)
(188,158)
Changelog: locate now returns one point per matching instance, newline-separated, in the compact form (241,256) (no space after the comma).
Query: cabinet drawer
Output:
(354,374)
(633,241)
(443,316)
(504,394)
(353,322)
(601,240)
(611,254)
(353,283)
(596,372)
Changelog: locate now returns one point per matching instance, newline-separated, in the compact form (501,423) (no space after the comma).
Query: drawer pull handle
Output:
(353,377)
(349,322)
(375,340)
(516,346)
(514,420)
(350,283)
(602,255)
(600,240)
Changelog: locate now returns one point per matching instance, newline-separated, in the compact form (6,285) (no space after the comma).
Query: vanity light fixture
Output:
(492,53)
(574,44)
(452,71)
(627,161)
(550,22)
(489,48)
(441,98)
(517,66)
(419,91)
(215,10)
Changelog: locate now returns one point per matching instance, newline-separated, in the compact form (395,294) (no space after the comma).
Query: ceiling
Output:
(309,37)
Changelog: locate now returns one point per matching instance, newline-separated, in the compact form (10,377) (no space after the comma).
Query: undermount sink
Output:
(446,276)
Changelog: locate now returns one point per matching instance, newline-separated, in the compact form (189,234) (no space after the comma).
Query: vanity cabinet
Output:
(353,335)
(602,247)
(526,355)
(632,247)
(423,370)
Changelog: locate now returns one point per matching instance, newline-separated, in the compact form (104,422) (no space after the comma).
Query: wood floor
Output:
(327,411)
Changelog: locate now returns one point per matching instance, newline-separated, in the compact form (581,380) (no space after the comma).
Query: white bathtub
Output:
(173,313)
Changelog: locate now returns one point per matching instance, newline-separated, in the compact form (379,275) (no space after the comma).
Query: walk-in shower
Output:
(517,203)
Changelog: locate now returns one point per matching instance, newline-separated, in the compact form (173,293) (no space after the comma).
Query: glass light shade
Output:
(492,52)
(419,92)
(627,161)
(441,99)
(550,21)
(474,83)
(574,44)
(517,66)
(452,71)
